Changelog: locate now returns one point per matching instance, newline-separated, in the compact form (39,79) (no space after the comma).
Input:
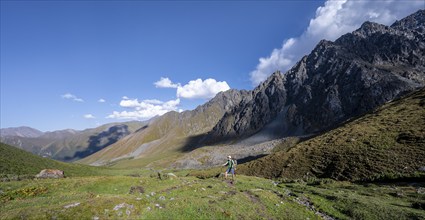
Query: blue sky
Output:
(80,64)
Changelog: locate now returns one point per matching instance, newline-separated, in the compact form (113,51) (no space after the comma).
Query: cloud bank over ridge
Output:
(332,20)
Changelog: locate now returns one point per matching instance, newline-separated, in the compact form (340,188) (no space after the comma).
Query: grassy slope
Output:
(387,143)
(188,197)
(91,192)
(19,162)
(171,132)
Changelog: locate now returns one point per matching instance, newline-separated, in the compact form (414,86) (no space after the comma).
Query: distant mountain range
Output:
(67,145)
(337,81)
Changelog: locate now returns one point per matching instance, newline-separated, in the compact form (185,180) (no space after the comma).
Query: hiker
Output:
(231,165)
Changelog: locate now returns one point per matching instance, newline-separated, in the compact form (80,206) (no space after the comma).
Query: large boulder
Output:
(50,173)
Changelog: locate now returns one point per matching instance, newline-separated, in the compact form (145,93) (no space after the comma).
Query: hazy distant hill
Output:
(20,132)
(387,143)
(337,81)
(70,145)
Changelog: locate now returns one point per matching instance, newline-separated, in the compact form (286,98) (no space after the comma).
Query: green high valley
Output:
(339,134)
(381,193)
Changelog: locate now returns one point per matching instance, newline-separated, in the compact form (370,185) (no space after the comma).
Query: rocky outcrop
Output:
(336,81)
(50,173)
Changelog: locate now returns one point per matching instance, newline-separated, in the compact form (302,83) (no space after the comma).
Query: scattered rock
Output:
(171,199)
(95,218)
(72,205)
(149,208)
(162,198)
(422,169)
(172,175)
(138,199)
(136,189)
(50,173)
(128,209)
(153,193)
(123,205)
(119,206)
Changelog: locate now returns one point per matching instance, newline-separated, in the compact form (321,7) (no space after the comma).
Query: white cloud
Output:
(101,100)
(332,20)
(194,89)
(165,83)
(153,101)
(72,97)
(89,116)
(148,108)
(144,109)
(198,89)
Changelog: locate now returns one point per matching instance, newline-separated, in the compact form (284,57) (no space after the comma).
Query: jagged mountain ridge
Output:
(336,81)
(69,145)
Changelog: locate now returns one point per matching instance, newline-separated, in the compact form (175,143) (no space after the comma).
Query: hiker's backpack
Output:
(234,164)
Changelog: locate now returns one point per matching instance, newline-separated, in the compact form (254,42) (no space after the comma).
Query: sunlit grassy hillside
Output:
(386,144)
(186,197)
(15,162)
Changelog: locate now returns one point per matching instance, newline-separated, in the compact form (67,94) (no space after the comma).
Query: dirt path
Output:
(260,207)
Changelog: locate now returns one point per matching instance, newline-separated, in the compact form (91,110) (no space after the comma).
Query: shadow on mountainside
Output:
(206,139)
(250,158)
(102,140)
(193,142)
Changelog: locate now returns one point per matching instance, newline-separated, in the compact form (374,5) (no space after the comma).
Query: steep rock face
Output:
(260,105)
(336,81)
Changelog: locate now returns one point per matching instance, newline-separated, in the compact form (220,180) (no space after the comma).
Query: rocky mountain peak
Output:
(338,80)
(369,28)
(415,21)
